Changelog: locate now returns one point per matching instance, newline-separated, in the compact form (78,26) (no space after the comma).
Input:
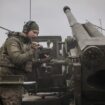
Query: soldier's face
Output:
(33,33)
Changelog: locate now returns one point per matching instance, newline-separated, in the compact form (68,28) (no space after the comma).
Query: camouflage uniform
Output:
(15,53)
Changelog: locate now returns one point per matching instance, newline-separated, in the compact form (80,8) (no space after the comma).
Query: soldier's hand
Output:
(35,45)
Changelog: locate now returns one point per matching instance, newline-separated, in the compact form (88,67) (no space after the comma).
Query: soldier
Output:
(16,53)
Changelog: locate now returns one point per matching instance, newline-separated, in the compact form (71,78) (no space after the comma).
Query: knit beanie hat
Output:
(30,25)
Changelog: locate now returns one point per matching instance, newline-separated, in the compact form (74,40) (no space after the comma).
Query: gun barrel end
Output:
(66,8)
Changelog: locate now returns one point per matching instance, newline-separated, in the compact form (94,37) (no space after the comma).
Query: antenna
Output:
(30,10)
(5,29)
(100,24)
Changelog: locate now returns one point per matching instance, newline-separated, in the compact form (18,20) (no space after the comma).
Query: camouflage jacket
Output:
(16,51)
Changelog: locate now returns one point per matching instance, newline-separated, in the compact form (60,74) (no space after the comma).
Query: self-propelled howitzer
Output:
(88,73)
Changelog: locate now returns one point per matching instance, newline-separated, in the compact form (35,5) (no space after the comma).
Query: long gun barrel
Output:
(77,29)
(88,43)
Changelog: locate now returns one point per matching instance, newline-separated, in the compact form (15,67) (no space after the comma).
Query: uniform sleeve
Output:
(16,54)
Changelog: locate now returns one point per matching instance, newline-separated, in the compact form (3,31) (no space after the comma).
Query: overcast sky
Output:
(49,15)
